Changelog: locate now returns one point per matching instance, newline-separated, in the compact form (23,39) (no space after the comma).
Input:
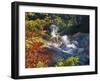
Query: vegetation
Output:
(67,62)
(37,35)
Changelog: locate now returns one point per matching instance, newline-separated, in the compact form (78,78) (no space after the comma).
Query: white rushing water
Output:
(63,39)
(54,30)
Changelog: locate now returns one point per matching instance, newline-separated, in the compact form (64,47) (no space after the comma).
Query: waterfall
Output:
(57,40)
(54,30)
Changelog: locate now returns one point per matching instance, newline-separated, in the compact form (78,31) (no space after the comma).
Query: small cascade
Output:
(59,41)
(55,39)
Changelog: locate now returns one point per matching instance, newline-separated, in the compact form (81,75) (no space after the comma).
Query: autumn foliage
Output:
(38,53)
